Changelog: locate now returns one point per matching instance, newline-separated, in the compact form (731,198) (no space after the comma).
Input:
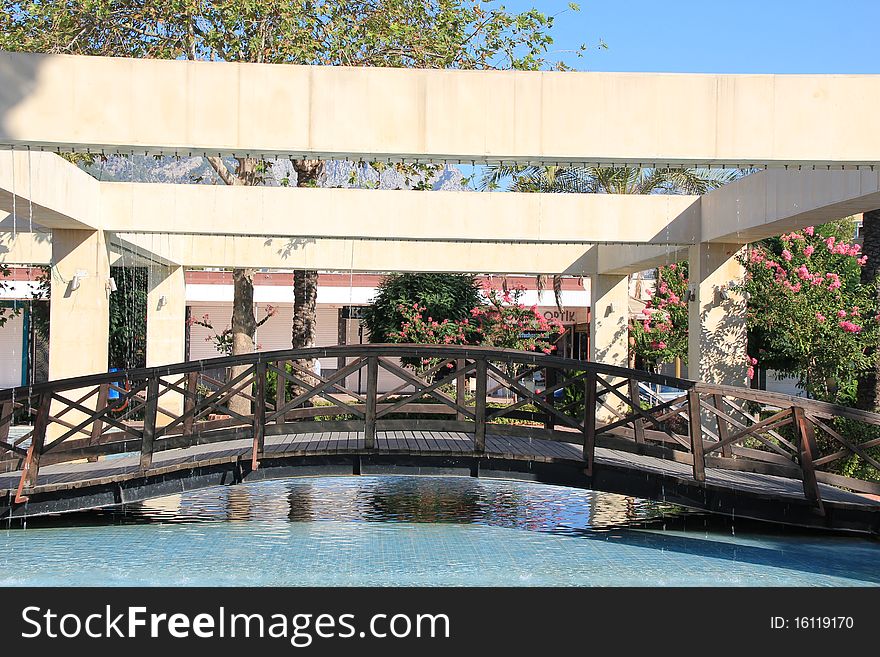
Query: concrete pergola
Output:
(812,140)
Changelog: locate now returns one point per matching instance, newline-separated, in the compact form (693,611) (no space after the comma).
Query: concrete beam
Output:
(45,189)
(362,255)
(384,214)
(25,248)
(629,259)
(776,201)
(208,107)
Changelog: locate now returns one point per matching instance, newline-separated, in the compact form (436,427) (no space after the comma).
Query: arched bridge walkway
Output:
(127,436)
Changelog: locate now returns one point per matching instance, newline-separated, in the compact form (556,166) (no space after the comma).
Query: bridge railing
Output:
(474,390)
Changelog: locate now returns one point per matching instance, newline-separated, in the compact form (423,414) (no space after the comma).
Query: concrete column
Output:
(609,332)
(716,326)
(79,314)
(166,327)
(79,319)
(166,316)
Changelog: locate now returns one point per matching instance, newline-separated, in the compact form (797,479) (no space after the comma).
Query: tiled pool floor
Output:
(421,531)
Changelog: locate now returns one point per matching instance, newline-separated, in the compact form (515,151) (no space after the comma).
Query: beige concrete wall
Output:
(716,327)
(145,105)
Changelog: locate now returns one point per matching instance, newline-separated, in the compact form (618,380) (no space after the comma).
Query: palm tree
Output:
(602,180)
(606,180)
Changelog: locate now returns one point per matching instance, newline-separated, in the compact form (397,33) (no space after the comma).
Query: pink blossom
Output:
(809,230)
(808,250)
(849,327)
(841,313)
(862,261)
(786,255)
(830,243)
(751,372)
(804,273)
(820,318)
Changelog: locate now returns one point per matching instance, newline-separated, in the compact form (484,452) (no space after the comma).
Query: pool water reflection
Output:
(412,531)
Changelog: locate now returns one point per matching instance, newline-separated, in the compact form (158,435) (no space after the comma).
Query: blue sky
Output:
(706,36)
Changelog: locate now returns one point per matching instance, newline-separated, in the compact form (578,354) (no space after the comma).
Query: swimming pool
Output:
(421,531)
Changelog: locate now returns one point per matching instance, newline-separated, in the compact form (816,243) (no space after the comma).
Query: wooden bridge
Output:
(117,438)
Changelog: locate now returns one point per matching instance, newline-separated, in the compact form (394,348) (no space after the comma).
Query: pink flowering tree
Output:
(502,321)
(223,340)
(417,327)
(663,335)
(506,323)
(808,315)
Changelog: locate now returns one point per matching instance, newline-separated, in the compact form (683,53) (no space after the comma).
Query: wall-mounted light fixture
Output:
(111,285)
(77,277)
(163,301)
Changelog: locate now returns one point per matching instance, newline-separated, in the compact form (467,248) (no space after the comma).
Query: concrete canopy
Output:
(131,105)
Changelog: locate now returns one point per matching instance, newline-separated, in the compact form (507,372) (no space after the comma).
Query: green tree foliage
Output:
(443,296)
(663,336)
(604,180)
(467,34)
(808,314)
(128,317)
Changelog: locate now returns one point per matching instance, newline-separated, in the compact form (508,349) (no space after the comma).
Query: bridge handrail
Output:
(705,424)
(340,351)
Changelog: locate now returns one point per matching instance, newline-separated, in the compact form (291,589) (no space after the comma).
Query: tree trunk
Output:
(305,281)
(244,326)
(869,386)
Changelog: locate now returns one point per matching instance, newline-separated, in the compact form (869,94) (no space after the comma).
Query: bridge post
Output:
(98,425)
(806,449)
(590,384)
(150,413)
(189,403)
(480,407)
(550,380)
(721,423)
(32,463)
(696,430)
(259,413)
(460,384)
(638,422)
(370,410)
(280,390)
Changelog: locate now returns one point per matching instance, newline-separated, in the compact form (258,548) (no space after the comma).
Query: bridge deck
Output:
(744,487)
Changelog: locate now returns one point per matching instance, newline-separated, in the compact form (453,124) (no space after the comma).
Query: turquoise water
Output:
(411,531)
